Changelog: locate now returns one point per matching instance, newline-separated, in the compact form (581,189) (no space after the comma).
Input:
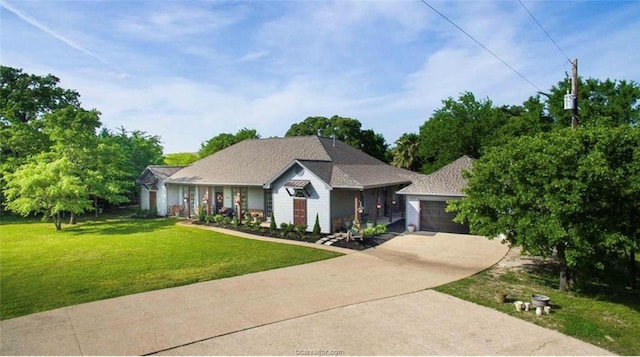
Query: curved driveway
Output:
(304,309)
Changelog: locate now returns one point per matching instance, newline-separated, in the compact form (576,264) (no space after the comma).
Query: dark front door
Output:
(299,211)
(152,200)
(219,202)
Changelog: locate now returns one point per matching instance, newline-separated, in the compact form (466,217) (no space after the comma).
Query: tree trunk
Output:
(566,279)
(72,218)
(633,271)
(95,205)
(57,221)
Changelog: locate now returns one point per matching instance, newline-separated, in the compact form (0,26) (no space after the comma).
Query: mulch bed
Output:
(393,231)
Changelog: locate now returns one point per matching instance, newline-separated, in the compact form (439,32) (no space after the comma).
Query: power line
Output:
(545,31)
(481,45)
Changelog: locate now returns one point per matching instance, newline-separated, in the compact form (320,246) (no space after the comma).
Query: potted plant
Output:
(411,227)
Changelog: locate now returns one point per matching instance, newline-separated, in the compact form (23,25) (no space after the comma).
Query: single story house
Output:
(293,178)
(426,199)
(153,192)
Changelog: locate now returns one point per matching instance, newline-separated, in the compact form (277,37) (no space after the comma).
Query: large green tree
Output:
(132,153)
(405,153)
(460,127)
(224,140)
(570,193)
(347,130)
(43,126)
(48,186)
(24,100)
(608,102)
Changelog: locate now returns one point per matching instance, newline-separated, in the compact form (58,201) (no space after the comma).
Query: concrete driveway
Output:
(369,302)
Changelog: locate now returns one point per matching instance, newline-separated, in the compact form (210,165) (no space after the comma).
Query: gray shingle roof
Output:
(164,171)
(153,173)
(448,181)
(257,162)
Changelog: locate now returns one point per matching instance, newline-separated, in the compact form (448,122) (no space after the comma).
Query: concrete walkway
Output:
(325,304)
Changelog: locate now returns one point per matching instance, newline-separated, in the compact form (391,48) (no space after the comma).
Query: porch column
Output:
(375,208)
(356,207)
(239,205)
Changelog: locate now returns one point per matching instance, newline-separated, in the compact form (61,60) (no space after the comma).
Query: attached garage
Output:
(426,200)
(435,218)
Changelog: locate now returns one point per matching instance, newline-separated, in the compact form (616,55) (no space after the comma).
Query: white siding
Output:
(256,198)
(161,199)
(144,197)
(342,202)
(228,200)
(318,202)
(174,196)
(413,211)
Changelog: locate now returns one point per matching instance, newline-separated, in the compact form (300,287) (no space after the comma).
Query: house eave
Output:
(210,183)
(434,194)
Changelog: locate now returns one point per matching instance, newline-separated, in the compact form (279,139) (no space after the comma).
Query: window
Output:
(245,199)
(268,204)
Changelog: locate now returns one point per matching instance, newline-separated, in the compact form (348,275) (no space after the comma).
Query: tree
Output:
(316,227)
(181,158)
(24,100)
(609,102)
(132,153)
(528,119)
(459,128)
(224,140)
(42,124)
(48,186)
(347,130)
(572,193)
(405,153)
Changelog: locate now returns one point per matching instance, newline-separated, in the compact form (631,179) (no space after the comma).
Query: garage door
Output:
(434,218)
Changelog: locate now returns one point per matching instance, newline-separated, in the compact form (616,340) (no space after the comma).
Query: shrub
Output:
(287,230)
(201,213)
(272,226)
(254,225)
(209,218)
(316,227)
(283,229)
(380,229)
(368,232)
(217,219)
(301,230)
(226,220)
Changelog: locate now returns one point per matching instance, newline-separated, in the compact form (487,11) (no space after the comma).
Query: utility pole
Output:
(574,90)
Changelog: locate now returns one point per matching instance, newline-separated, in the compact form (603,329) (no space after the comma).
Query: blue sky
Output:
(189,70)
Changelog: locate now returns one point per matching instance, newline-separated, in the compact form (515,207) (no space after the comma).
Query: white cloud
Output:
(173,22)
(201,68)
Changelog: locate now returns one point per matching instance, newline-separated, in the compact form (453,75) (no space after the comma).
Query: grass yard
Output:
(43,269)
(605,316)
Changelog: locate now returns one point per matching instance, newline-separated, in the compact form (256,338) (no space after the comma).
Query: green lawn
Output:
(43,269)
(603,315)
